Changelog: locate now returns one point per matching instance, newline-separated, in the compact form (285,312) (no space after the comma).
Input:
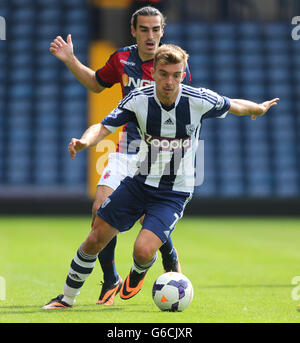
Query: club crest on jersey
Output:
(107,174)
(190,128)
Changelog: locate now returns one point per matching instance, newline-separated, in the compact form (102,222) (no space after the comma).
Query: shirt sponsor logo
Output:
(168,144)
(127,62)
(129,81)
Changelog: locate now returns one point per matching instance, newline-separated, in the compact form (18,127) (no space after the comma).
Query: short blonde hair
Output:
(170,54)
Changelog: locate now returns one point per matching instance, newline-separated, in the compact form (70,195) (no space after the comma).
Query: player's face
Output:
(168,78)
(148,33)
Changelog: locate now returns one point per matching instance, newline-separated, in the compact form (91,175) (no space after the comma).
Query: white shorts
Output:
(118,167)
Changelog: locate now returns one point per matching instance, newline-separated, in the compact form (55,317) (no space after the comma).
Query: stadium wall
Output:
(80,205)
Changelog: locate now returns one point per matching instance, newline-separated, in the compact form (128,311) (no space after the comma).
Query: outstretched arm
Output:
(242,107)
(65,52)
(92,136)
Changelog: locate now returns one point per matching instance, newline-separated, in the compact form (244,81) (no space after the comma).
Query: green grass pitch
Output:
(241,270)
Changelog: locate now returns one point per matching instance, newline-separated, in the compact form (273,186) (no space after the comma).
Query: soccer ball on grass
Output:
(172,292)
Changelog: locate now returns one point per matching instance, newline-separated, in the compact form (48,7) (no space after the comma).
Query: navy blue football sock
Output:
(168,251)
(107,261)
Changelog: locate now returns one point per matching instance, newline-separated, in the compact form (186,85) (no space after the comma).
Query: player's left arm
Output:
(92,136)
(241,107)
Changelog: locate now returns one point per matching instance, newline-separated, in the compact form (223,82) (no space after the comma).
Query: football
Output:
(172,292)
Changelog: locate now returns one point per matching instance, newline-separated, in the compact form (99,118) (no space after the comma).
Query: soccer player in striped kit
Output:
(161,186)
(131,67)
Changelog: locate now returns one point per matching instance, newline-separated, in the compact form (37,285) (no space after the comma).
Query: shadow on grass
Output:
(246,286)
(27,309)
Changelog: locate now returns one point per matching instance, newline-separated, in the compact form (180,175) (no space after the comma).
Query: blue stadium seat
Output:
(225,74)
(22,108)
(23,15)
(19,75)
(281,60)
(221,46)
(75,110)
(46,151)
(259,183)
(21,91)
(25,3)
(50,121)
(46,60)
(200,76)
(199,60)
(46,171)
(223,30)
(231,187)
(276,46)
(74,3)
(77,15)
(276,31)
(21,60)
(252,75)
(227,60)
(48,75)
(248,30)
(50,15)
(20,46)
(208,189)
(73,91)
(254,91)
(252,60)
(194,30)
(281,90)
(43,91)
(47,107)
(18,167)
(251,45)
(51,3)
(77,30)
(47,31)
(18,176)
(45,134)
(73,171)
(279,75)
(22,31)
(197,46)
(42,46)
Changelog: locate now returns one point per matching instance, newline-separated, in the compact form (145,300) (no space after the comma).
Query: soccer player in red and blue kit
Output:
(131,67)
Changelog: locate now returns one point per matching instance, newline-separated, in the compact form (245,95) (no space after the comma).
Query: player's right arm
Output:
(65,52)
(92,136)
(96,133)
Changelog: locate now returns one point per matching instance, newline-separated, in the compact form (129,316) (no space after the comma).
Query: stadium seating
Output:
(42,106)
(253,61)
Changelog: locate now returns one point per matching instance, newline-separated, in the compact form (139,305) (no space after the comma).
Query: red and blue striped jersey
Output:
(126,67)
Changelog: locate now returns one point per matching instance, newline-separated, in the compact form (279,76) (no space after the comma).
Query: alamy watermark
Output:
(296,30)
(295,294)
(158,156)
(2,288)
(2,28)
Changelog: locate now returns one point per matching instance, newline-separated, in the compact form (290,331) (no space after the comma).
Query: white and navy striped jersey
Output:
(169,135)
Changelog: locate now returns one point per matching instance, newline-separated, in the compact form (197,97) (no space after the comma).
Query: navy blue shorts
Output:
(132,199)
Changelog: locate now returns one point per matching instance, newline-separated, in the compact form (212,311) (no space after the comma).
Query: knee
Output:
(96,205)
(143,254)
(100,235)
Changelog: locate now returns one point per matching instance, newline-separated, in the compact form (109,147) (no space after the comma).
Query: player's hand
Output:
(264,107)
(75,146)
(61,49)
